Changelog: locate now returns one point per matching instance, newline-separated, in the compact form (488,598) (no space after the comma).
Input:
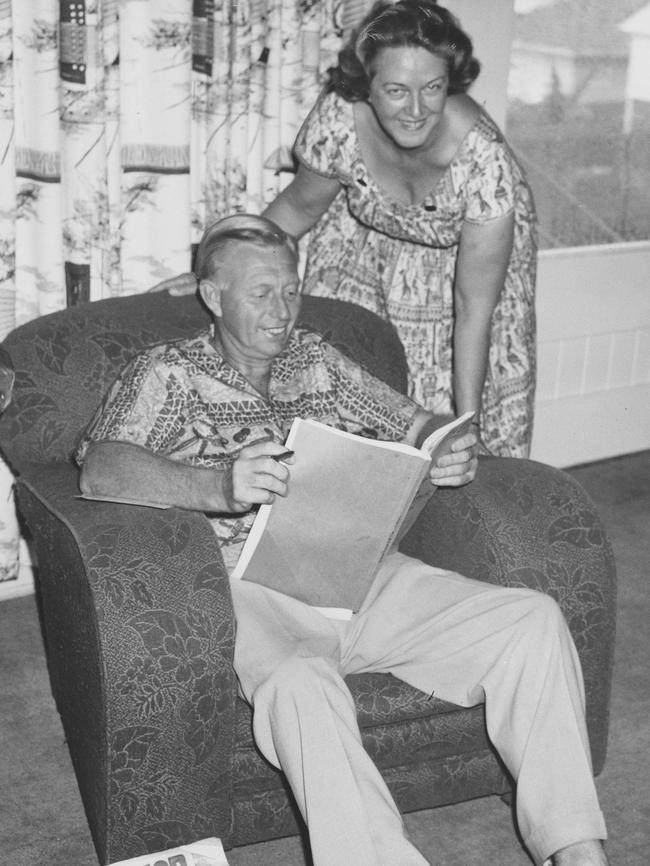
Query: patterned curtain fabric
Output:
(126,126)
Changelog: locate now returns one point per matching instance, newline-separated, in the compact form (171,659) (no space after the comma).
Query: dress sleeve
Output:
(134,407)
(366,404)
(491,184)
(323,142)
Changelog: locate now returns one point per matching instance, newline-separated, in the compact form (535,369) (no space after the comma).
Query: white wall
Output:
(593,386)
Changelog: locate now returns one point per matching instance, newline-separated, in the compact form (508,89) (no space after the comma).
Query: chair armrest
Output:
(139,633)
(522,523)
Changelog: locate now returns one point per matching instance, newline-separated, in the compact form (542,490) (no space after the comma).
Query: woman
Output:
(419,211)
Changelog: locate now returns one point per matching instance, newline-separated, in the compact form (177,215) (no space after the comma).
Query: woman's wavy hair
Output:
(414,23)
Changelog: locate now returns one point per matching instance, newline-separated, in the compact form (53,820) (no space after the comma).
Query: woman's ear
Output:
(211,294)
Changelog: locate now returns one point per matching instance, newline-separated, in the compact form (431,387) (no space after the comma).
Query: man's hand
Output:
(182,284)
(459,466)
(130,471)
(256,477)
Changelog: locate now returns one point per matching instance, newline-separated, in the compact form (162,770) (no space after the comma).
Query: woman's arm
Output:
(295,210)
(481,267)
(182,284)
(300,204)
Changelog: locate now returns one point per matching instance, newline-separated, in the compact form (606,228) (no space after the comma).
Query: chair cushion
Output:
(399,725)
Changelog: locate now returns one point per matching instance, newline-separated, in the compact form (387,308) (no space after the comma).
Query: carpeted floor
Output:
(42,819)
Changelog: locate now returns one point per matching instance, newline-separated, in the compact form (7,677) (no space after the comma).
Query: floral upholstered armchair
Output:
(137,613)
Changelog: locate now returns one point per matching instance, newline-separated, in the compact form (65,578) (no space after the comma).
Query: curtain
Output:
(128,125)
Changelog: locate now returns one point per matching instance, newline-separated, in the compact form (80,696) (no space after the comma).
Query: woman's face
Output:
(408,91)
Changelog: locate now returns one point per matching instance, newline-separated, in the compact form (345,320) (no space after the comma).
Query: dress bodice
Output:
(481,182)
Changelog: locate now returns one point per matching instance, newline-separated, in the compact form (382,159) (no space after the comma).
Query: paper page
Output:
(323,542)
(264,512)
(439,442)
(121,500)
(342,613)
(204,852)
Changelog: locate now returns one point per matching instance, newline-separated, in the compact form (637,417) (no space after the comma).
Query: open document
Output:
(350,501)
(204,852)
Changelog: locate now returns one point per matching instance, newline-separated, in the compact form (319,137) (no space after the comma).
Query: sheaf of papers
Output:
(204,852)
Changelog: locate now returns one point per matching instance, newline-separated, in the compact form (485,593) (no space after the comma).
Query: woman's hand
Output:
(182,284)
(458,466)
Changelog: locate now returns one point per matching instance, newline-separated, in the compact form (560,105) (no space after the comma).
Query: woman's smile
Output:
(408,91)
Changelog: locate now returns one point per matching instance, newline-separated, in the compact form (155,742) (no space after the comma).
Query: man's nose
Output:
(280,307)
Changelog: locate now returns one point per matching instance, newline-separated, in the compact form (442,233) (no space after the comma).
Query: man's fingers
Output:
(455,458)
(259,480)
(455,474)
(270,484)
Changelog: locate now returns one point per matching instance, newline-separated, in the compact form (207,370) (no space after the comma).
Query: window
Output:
(578,117)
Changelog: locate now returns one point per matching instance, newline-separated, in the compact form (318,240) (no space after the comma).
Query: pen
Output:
(282,456)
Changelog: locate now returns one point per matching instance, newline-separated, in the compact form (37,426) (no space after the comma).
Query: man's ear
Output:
(211,294)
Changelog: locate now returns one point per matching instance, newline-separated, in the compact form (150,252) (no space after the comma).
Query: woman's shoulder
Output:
(331,112)
(326,140)
(472,122)
(461,113)
(482,141)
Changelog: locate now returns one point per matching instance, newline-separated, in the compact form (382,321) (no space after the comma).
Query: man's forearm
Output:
(129,471)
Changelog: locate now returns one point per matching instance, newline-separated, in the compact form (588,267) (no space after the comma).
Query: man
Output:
(197,424)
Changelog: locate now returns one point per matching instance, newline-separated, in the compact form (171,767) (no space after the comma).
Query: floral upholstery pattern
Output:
(137,612)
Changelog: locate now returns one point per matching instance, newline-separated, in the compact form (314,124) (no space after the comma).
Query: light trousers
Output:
(465,641)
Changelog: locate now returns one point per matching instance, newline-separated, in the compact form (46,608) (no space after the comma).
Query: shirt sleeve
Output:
(491,184)
(365,404)
(144,406)
(323,141)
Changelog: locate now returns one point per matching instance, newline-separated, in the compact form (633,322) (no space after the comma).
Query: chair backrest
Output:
(65,362)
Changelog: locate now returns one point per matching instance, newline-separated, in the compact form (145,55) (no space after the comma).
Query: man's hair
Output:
(246,228)
(405,23)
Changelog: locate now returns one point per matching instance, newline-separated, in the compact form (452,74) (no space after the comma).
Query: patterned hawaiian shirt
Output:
(185,401)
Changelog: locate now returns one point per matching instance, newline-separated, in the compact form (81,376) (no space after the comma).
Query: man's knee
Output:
(545,608)
(296,678)
(541,618)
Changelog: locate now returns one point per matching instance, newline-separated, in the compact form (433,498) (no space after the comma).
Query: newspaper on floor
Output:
(204,852)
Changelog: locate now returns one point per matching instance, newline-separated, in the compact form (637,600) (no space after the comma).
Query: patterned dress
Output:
(399,261)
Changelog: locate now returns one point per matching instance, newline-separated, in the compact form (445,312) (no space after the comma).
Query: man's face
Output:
(259,300)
